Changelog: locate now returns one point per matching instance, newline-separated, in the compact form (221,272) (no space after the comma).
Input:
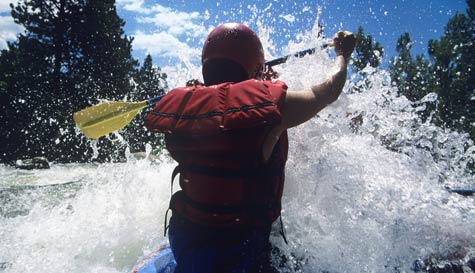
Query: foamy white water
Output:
(371,197)
(364,192)
(104,226)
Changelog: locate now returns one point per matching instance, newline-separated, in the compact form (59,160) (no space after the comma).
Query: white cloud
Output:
(165,18)
(139,7)
(133,5)
(5,5)
(177,23)
(173,31)
(164,44)
(8,30)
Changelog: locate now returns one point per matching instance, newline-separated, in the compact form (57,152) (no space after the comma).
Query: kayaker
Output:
(230,141)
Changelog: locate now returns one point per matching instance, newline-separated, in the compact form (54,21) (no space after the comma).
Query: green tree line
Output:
(73,54)
(449,70)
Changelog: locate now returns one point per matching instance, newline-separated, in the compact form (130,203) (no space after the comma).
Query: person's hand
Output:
(269,74)
(344,43)
(193,82)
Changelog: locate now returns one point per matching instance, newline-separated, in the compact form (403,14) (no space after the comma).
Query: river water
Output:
(365,192)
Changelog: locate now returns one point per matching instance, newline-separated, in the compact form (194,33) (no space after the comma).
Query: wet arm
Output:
(301,106)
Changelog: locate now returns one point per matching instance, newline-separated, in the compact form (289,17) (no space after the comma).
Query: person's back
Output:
(230,141)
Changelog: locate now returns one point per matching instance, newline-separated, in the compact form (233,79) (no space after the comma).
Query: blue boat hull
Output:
(160,260)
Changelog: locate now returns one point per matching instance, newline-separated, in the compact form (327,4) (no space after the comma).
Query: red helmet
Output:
(236,42)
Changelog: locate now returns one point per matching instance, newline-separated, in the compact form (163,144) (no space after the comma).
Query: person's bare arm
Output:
(301,106)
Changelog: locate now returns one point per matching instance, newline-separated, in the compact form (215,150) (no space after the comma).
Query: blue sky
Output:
(174,30)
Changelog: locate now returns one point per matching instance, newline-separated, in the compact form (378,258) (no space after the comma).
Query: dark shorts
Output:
(199,249)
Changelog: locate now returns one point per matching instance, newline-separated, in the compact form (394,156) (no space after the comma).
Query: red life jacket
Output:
(216,135)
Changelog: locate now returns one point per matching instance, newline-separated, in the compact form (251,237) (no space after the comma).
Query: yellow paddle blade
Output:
(107,117)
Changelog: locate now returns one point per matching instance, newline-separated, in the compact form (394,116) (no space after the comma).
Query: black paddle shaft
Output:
(299,54)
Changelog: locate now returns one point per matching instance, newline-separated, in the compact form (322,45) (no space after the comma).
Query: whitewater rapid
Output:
(365,192)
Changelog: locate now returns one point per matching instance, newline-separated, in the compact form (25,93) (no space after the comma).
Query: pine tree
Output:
(105,65)
(368,52)
(412,76)
(453,56)
(30,113)
(150,82)
(48,23)
(449,72)
(72,53)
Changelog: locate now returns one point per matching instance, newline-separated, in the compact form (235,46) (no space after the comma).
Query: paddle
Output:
(107,117)
(104,118)
(464,192)
(299,54)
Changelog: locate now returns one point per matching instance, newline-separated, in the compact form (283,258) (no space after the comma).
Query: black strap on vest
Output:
(282,228)
(176,171)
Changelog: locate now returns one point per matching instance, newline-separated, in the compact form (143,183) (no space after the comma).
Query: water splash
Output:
(113,216)
(364,191)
